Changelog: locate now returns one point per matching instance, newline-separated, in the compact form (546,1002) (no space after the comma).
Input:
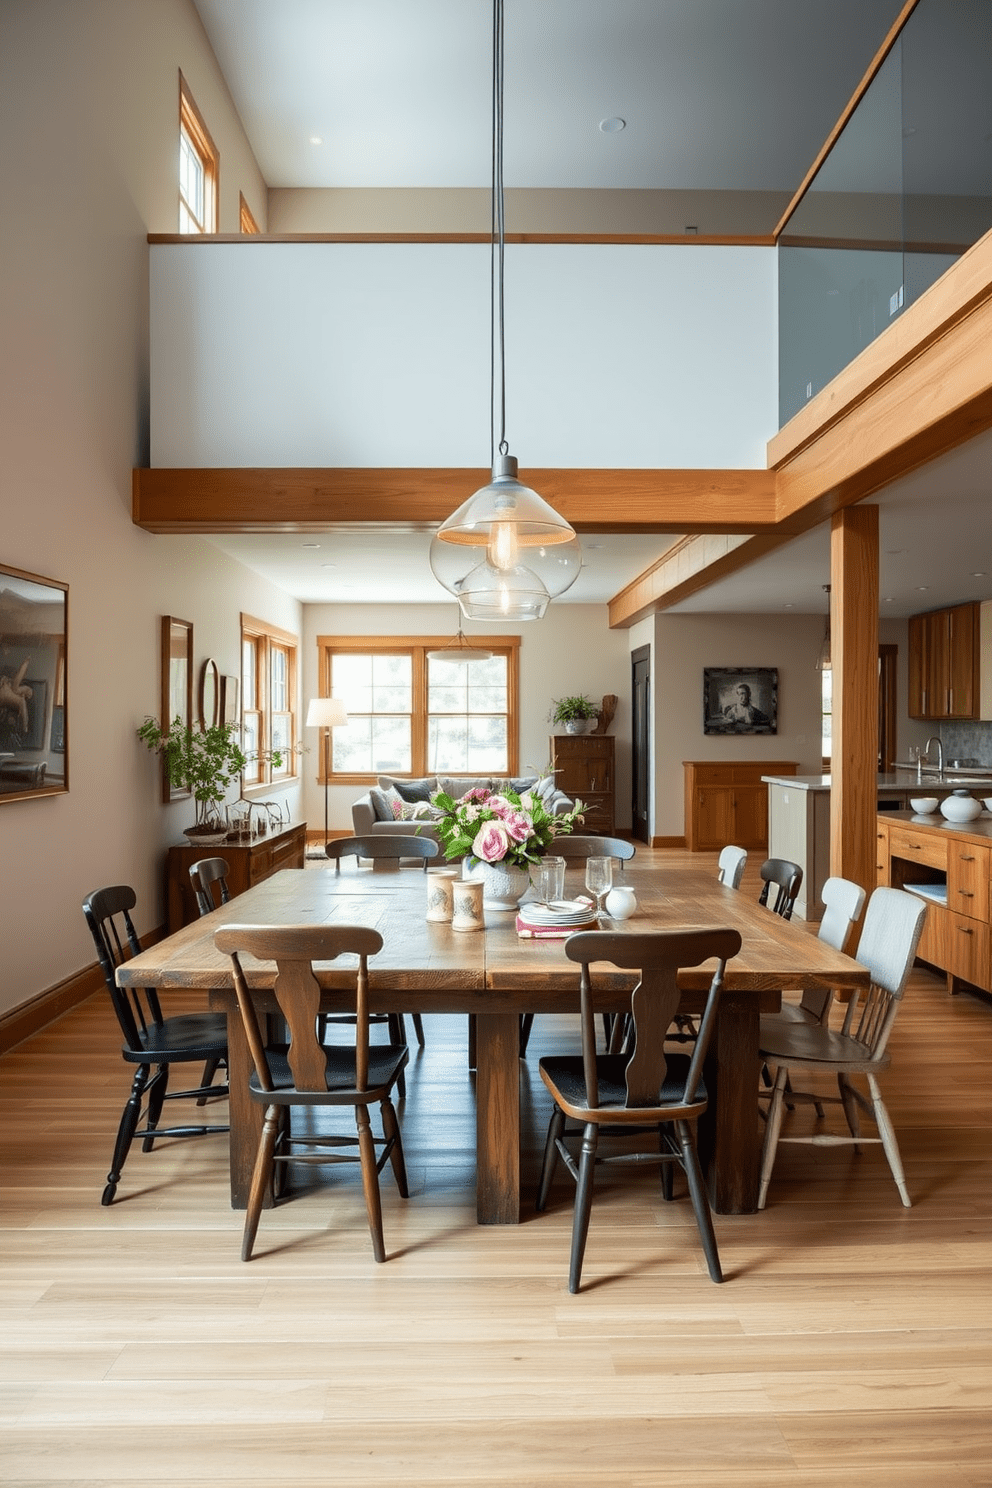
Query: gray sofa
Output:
(375,812)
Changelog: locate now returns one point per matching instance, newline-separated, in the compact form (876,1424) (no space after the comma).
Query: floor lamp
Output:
(326,713)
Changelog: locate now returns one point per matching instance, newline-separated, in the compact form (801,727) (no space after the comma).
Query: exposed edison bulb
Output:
(503,551)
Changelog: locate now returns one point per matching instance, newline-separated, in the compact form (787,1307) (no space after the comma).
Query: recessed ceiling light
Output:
(889,599)
(922,588)
(612,126)
(315,139)
(978,576)
(328,565)
(788,607)
(311,545)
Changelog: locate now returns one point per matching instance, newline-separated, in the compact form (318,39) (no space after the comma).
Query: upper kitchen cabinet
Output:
(944,663)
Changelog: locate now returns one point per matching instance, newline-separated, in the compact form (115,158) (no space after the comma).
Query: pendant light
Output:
(823,660)
(459,649)
(505,553)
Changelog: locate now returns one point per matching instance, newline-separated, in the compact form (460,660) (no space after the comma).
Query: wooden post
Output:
(854,659)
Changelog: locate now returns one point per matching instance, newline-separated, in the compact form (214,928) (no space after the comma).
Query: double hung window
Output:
(268,690)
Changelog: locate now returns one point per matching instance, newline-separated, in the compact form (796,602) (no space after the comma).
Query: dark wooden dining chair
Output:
(787,879)
(203,875)
(150,1040)
(582,845)
(302,1071)
(389,847)
(651,1090)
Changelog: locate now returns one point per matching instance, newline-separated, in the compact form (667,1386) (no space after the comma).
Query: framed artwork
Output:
(177,687)
(34,629)
(740,700)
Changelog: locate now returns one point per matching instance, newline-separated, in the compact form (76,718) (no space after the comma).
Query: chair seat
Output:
(812,1044)
(566,1073)
(385,1063)
(185,1038)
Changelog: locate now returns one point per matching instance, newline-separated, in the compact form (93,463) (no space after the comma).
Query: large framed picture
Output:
(34,739)
(740,700)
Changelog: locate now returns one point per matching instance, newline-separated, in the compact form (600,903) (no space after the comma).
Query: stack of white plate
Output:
(561,912)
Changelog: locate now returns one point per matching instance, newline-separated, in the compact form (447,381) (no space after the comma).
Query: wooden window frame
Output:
(417,647)
(266,636)
(193,126)
(246,220)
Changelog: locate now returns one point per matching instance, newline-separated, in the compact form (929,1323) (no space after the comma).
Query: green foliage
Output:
(206,762)
(565,710)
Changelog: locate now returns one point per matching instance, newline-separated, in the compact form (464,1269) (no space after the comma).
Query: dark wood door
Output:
(641,743)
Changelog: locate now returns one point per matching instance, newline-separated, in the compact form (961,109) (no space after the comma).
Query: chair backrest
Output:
(843,902)
(730,866)
(294,948)
(657,956)
(203,875)
(889,938)
(108,914)
(383,845)
(580,845)
(787,878)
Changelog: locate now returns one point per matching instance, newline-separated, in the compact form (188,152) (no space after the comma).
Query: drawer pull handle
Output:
(967,893)
(964,931)
(965,858)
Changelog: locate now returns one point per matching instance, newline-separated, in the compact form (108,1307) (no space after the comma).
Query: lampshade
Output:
(459,649)
(326,712)
(508,529)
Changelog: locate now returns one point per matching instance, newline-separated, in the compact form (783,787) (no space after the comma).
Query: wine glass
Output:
(599,879)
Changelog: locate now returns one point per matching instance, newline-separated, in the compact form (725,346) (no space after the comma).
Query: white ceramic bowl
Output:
(960,808)
(924,805)
(988,803)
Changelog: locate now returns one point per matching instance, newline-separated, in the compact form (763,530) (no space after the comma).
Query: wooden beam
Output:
(854,658)
(687,567)
(637,240)
(309,500)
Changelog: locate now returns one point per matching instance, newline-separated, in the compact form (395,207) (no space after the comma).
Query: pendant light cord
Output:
(496,253)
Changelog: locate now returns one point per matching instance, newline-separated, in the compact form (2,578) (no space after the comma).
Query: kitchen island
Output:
(799,818)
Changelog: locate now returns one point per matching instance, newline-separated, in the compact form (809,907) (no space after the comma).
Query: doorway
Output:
(640,691)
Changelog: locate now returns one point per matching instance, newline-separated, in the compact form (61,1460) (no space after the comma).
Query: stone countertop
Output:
(894,780)
(980,827)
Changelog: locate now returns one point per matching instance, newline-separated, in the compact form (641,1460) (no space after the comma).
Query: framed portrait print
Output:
(740,700)
(177,687)
(34,630)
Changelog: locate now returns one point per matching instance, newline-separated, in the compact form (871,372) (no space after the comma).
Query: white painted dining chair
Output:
(730,866)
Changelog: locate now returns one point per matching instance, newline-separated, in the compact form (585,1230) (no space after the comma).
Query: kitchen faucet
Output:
(940,752)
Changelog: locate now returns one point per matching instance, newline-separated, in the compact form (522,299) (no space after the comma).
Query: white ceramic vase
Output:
(505,885)
(620,903)
(960,808)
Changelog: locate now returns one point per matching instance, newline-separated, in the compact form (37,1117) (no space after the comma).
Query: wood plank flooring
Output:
(850,1344)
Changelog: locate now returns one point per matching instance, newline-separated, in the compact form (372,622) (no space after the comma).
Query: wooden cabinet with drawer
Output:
(248,864)
(950,865)
(727,801)
(584,769)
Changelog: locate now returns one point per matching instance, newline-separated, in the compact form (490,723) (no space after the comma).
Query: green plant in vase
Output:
(206,762)
(574,712)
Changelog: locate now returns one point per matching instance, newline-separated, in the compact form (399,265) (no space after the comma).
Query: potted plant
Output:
(574,712)
(206,762)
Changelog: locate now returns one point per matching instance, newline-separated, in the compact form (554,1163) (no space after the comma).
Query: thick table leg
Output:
(246,1114)
(498,1118)
(730,1137)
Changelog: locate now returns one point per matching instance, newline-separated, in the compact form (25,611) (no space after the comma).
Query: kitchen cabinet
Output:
(948,864)
(248,864)
(727,801)
(944,653)
(584,769)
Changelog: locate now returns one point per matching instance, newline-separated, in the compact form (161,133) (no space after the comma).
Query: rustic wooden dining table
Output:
(430,968)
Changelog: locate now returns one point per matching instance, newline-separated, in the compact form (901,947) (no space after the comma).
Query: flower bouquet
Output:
(510,828)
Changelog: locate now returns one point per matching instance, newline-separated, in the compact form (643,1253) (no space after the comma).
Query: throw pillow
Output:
(409,790)
(387,804)
(419,811)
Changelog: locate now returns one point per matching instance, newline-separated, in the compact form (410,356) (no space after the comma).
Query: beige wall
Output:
(570,651)
(88,148)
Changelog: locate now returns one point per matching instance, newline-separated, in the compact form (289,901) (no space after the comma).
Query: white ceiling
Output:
(716,94)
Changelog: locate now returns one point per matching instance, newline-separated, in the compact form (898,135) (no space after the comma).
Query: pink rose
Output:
(517,825)
(491,842)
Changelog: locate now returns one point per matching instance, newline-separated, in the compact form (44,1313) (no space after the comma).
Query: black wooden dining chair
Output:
(787,880)
(304,1072)
(648,1091)
(203,875)
(149,1039)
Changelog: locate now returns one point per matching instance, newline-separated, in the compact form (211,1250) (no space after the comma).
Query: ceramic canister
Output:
(440,893)
(620,902)
(467,912)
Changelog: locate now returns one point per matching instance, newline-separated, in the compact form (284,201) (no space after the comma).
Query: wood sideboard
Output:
(248,864)
(584,769)
(727,801)
(948,864)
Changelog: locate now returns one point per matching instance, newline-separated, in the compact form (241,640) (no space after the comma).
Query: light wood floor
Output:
(850,1345)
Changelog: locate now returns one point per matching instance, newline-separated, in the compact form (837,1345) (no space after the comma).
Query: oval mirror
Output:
(209,695)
